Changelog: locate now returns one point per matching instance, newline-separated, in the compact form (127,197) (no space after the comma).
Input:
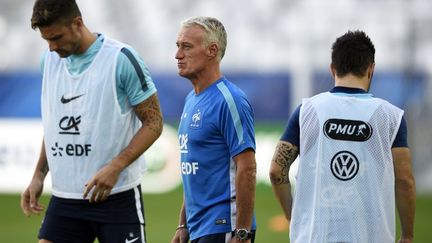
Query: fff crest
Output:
(196,120)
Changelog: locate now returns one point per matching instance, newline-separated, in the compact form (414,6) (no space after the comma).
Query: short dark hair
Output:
(48,12)
(353,53)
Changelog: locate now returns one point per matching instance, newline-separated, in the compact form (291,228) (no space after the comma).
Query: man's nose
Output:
(53,46)
(179,54)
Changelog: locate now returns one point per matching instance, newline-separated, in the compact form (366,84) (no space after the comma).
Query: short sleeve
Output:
(401,139)
(237,122)
(133,79)
(292,130)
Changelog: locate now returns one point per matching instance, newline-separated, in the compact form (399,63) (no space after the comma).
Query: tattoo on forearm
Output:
(150,115)
(284,156)
(45,169)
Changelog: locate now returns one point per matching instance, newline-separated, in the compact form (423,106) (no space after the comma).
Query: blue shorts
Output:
(120,218)
(220,238)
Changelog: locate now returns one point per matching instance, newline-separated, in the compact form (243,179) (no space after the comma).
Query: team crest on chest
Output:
(196,119)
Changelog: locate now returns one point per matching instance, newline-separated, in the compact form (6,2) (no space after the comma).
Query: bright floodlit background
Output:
(278,52)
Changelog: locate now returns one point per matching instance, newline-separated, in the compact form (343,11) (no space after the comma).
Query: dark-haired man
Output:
(100,113)
(354,165)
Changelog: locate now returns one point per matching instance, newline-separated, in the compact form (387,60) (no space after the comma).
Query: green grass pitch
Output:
(161,211)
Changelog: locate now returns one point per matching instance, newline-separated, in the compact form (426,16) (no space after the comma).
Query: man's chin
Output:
(63,54)
(182,74)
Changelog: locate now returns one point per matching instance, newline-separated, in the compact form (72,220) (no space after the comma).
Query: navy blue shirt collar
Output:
(341,89)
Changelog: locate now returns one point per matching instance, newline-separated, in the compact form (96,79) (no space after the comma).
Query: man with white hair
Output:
(217,143)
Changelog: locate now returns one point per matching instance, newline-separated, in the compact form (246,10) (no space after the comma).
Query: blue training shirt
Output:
(216,125)
(292,130)
(129,82)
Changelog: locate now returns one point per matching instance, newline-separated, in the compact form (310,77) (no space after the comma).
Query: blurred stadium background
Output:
(278,52)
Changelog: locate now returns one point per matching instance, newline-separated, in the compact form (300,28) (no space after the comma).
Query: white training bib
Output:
(83,125)
(345,182)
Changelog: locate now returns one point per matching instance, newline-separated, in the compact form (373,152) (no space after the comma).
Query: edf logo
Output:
(71,150)
(188,168)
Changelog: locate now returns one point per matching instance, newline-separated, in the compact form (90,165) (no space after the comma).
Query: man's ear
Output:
(212,50)
(333,71)
(78,22)
(370,71)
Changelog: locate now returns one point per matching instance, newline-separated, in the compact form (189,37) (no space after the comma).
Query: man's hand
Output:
(181,236)
(236,240)
(30,198)
(405,240)
(100,186)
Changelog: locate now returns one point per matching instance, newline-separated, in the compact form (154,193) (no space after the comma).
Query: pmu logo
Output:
(69,125)
(344,165)
(349,130)
(77,150)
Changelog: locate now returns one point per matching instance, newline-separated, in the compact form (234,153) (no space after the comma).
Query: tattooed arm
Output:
(150,115)
(30,197)
(284,156)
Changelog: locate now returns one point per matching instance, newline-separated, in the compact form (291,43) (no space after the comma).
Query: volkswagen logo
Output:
(344,165)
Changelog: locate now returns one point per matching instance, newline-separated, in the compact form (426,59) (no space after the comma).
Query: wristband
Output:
(181,226)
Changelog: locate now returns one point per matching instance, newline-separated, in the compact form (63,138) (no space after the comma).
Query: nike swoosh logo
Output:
(130,241)
(67,100)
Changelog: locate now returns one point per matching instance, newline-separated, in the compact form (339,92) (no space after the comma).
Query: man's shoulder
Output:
(385,104)
(228,88)
(113,42)
(315,97)
(126,51)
